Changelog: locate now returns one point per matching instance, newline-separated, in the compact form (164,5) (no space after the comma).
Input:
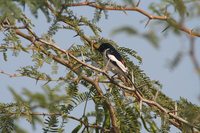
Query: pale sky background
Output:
(181,82)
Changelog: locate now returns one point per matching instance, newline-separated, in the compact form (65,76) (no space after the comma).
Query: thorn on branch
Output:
(76,35)
(36,80)
(46,83)
(138,3)
(165,29)
(124,11)
(147,22)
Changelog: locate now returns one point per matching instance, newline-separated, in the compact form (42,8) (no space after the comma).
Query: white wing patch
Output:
(121,66)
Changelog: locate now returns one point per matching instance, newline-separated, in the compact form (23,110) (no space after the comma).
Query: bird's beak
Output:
(96,45)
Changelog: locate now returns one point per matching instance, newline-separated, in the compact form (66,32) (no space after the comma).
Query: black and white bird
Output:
(113,60)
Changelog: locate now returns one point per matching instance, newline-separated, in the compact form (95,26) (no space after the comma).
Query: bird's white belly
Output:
(111,67)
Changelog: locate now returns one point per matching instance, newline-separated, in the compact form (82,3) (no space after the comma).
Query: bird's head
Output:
(102,47)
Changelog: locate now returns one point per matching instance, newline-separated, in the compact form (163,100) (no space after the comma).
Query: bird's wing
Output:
(118,63)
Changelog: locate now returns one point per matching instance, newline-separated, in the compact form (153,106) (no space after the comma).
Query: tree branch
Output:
(109,106)
(15,75)
(116,8)
(136,9)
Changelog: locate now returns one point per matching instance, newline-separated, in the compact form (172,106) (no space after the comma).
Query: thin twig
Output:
(84,111)
(155,97)
(10,75)
(15,75)
(147,23)
(59,114)
(193,56)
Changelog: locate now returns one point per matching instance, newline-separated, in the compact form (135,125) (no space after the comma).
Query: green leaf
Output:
(152,38)
(97,15)
(180,6)
(5,56)
(106,122)
(9,10)
(130,2)
(172,22)
(176,61)
(54,68)
(19,129)
(154,8)
(131,52)
(51,124)
(6,123)
(125,29)
(144,124)
(16,96)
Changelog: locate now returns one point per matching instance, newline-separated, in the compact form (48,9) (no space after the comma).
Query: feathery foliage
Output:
(81,82)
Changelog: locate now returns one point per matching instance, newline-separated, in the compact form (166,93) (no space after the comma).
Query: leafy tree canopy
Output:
(117,108)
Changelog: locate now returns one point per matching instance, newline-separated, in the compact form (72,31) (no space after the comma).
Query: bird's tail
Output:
(131,81)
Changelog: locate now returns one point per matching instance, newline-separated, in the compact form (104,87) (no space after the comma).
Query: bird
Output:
(115,63)
(113,60)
